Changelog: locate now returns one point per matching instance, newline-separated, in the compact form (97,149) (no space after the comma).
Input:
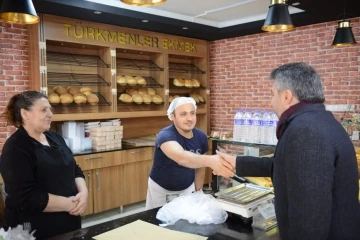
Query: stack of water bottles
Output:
(255,127)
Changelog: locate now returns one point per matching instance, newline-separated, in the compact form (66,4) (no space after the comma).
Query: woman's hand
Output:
(81,200)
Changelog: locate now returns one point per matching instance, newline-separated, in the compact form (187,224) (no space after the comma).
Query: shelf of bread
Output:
(184,68)
(137,81)
(139,99)
(138,64)
(185,83)
(197,96)
(75,59)
(67,79)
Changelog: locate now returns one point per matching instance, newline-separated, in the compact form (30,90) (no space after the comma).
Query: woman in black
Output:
(46,189)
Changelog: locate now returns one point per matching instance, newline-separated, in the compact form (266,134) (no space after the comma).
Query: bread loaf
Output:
(92,99)
(60,90)
(132,91)
(140,81)
(151,91)
(195,83)
(171,98)
(195,97)
(73,90)
(179,82)
(188,83)
(126,98)
(147,98)
(130,80)
(157,99)
(80,98)
(137,98)
(85,89)
(66,98)
(54,98)
(121,80)
(142,91)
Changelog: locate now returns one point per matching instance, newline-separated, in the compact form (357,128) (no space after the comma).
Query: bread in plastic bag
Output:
(197,208)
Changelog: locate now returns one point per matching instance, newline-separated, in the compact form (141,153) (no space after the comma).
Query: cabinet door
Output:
(108,188)
(90,203)
(136,181)
(96,160)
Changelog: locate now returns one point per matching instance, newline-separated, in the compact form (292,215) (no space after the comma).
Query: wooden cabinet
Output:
(136,181)
(115,178)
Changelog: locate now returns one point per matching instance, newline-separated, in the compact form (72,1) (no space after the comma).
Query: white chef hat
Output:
(178,102)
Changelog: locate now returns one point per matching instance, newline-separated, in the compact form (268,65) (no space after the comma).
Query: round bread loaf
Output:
(80,98)
(140,81)
(195,97)
(66,98)
(121,80)
(179,82)
(126,98)
(157,99)
(201,98)
(132,91)
(130,80)
(147,98)
(137,98)
(60,90)
(92,99)
(85,89)
(195,83)
(171,98)
(151,91)
(188,83)
(73,90)
(54,98)
(142,91)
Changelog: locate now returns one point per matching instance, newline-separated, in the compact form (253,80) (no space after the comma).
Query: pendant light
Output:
(18,11)
(143,3)
(344,35)
(278,18)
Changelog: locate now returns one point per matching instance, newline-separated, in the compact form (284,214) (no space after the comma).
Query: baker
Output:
(179,160)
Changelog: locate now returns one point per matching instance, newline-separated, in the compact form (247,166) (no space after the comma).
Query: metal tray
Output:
(243,193)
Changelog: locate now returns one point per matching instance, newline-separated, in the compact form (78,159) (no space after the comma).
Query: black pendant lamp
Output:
(143,3)
(18,11)
(278,18)
(344,35)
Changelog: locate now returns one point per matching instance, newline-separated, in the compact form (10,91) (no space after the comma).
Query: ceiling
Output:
(208,19)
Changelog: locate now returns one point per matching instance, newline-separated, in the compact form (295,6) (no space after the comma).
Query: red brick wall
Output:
(14,68)
(240,68)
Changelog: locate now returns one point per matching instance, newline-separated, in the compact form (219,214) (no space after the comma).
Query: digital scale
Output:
(243,199)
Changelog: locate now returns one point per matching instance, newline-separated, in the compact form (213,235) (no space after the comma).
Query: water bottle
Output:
(255,127)
(247,126)
(264,139)
(237,125)
(275,122)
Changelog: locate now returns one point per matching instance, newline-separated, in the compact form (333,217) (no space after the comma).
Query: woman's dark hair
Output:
(24,100)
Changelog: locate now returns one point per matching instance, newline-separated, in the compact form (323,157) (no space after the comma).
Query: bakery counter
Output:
(232,229)
(91,151)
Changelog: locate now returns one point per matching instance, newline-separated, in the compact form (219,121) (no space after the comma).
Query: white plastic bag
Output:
(197,208)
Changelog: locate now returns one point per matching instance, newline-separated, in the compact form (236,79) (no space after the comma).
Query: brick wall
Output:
(240,68)
(14,68)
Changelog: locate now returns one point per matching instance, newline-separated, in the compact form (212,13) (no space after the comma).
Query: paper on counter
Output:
(140,230)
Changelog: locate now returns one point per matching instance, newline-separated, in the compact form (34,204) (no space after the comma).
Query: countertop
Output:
(233,229)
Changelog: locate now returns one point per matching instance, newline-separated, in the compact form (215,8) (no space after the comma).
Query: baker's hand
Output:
(221,167)
(81,200)
(228,158)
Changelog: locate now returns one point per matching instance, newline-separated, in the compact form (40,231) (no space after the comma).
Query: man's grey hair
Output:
(301,79)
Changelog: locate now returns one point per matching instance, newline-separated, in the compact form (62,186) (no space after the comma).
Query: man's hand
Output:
(221,166)
(228,158)
(81,200)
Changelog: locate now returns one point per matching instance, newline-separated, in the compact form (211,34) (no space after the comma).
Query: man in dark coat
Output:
(314,168)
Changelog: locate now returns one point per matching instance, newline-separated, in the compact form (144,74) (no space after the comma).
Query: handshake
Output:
(223,164)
